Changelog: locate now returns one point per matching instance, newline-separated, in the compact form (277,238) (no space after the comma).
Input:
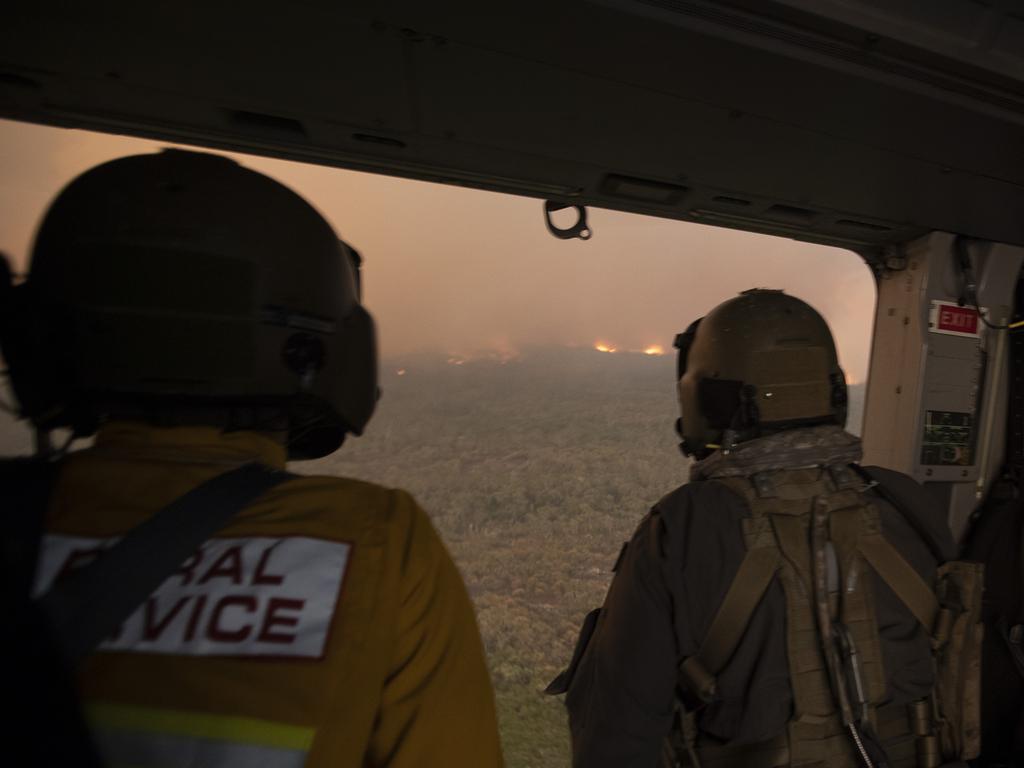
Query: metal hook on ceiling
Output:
(578,230)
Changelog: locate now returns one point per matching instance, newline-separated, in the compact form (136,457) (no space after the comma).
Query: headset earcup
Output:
(683,342)
(359,389)
(344,393)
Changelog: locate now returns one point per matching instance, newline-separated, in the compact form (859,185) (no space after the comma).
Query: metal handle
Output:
(578,230)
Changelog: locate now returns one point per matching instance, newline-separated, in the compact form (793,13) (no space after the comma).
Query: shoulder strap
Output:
(756,571)
(912,520)
(92,601)
(902,579)
(912,590)
(748,587)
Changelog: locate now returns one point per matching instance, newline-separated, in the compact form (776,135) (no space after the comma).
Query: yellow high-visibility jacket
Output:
(326,625)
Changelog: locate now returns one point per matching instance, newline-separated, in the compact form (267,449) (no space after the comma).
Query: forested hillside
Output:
(535,471)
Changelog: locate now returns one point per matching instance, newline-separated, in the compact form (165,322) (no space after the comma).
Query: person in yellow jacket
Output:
(196,316)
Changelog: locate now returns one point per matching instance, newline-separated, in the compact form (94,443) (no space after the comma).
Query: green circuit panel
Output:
(948,439)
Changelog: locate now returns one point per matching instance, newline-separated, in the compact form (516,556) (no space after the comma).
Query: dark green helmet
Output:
(182,277)
(760,362)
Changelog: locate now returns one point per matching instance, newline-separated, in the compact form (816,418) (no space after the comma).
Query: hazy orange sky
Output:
(462,271)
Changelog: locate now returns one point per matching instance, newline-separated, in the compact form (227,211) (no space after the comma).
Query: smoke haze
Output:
(464,272)
(535,472)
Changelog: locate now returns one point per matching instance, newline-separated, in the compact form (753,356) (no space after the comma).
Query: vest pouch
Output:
(957,636)
(563,680)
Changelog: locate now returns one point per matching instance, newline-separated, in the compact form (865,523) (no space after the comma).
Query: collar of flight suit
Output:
(791,449)
(136,440)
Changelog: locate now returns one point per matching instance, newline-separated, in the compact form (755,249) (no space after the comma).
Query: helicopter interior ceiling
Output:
(857,123)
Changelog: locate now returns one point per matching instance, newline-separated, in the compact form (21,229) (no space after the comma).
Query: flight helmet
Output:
(182,279)
(757,363)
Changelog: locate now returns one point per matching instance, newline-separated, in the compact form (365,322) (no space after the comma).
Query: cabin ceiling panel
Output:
(877,120)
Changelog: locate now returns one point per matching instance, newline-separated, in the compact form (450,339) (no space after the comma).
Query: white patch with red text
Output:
(234,597)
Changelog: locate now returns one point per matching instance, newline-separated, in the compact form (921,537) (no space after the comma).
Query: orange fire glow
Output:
(400,371)
(602,347)
(654,349)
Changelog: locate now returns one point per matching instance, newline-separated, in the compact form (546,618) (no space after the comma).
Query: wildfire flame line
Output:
(650,349)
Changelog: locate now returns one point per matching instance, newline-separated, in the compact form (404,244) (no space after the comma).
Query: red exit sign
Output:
(948,317)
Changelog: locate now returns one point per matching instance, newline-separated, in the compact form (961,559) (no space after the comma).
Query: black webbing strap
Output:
(43,724)
(91,602)
(1015,451)
(26,484)
(1014,635)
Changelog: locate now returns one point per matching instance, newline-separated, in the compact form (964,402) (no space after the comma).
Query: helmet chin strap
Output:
(729,440)
(686,446)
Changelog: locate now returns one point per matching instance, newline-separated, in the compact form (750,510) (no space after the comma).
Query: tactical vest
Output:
(817,532)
